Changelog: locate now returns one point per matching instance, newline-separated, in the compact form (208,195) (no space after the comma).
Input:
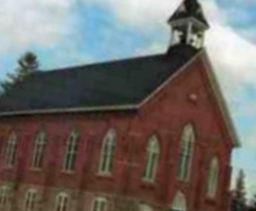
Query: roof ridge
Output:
(95,63)
(113,83)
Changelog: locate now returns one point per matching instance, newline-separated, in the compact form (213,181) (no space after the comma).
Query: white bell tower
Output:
(188,24)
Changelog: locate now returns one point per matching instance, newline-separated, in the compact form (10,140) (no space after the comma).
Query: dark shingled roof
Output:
(192,9)
(125,82)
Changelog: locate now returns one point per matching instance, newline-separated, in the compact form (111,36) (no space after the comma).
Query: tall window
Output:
(107,153)
(100,204)
(186,152)
(153,151)
(30,200)
(39,149)
(179,202)
(11,150)
(71,152)
(4,196)
(62,202)
(213,178)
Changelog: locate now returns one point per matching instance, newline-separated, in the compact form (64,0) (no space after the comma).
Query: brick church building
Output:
(144,134)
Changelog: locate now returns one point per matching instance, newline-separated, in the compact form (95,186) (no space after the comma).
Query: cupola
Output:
(188,24)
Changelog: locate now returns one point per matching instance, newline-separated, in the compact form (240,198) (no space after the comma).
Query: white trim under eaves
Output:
(70,110)
(216,89)
(220,99)
(100,108)
(173,76)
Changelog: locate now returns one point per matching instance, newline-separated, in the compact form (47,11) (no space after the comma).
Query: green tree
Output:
(239,200)
(28,64)
(253,203)
(240,187)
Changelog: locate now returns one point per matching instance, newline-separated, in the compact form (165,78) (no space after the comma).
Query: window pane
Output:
(107,153)
(71,152)
(30,200)
(39,149)
(152,158)
(3,196)
(186,152)
(213,177)
(100,204)
(10,151)
(61,202)
(179,202)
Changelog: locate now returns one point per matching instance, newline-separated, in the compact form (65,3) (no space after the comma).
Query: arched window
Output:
(107,153)
(71,152)
(39,148)
(4,196)
(213,178)
(62,202)
(179,202)
(186,152)
(145,207)
(30,200)
(11,150)
(99,204)
(153,151)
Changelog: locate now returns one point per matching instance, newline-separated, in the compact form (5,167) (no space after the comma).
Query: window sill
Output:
(9,167)
(210,199)
(184,181)
(36,169)
(148,183)
(67,172)
(106,175)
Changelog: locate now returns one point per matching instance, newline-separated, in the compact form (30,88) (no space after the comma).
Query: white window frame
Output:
(107,157)
(62,202)
(4,196)
(186,152)
(70,158)
(31,200)
(11,150)
(179,202)
(99,204)
(145,207)
(153,153)
(39,150)
(213,178)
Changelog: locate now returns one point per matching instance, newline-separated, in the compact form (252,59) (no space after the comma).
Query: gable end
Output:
(220,98)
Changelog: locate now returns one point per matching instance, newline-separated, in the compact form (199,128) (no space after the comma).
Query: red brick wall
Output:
(167,113)
(164,115)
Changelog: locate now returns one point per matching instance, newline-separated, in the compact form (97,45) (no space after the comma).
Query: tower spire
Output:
(188,24)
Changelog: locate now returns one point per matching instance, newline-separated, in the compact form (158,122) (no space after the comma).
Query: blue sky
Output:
(71,32)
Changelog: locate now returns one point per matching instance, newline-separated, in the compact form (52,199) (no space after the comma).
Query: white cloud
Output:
(32,22)
(226,48)
(25,23)
(232,56)
(224,44)
(144,13)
